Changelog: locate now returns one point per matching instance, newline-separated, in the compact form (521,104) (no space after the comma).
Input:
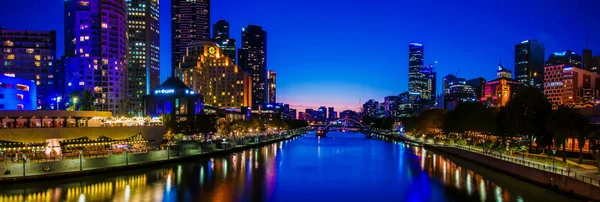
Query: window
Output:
(19,106)
(22,87)
(19,96)
(1,96)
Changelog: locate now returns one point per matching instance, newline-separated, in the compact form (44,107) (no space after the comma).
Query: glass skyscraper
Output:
(221,37)
(190,23)
(253,59)
(96,50)
(529,63)
(417,80)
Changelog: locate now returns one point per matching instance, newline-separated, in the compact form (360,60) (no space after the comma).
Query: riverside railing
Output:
(14,167)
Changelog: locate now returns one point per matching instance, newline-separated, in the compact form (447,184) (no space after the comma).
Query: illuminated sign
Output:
(191,92)
(164,91)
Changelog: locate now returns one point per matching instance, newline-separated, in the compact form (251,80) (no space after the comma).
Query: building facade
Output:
(567,57)
(331,113)
(207,71)
(529,63)
(253,59)
(17,93)
(144,47)
(31,55)
(272,83)
(498,92)
(96,50)
(567,85)
(174,98)
(190,23)
(221,37)
(417,80)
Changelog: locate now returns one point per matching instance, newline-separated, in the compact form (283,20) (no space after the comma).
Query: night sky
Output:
(335,52)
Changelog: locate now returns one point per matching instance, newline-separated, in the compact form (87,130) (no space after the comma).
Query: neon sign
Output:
(164,91)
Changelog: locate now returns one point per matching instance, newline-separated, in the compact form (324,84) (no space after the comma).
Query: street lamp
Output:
(57,99)
(75,104)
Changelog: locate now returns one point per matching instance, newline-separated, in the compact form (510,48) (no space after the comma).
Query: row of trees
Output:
(527,120)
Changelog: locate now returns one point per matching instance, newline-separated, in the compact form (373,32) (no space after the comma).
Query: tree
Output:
(528,110)
(74,101)
(87,101)
(563,123)
(584,132)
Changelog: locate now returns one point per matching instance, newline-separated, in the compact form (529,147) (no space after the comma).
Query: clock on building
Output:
(212,50)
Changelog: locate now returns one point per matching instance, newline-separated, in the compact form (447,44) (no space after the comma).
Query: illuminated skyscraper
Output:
(190,23)
(221,37)
(529,63)
(416,78)
(253,59)
(272,86)
(96,46)
(144,47)
(31,55)
(207,71)
(567,57)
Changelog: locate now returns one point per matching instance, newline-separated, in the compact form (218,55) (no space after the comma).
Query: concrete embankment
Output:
(75,167)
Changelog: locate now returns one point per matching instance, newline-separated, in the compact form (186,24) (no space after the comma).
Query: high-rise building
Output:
(96,47)
(331,114)
(596,64)
(292,114)
(31,55)
(272,83)
(207,71)
(416,79)
(567,57)
(221,37)
(190,23)
(322,113)
(391,104)
(144,47)
(301,116)
(588,60)
(430,89)
(529,63)
(478,85)
(568,85)
(369,108)
(447,82)
(253,59)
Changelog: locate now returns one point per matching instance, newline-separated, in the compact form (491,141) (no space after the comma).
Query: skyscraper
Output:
(253,59)
(416,79)
(190,23)
(567,57)
(529,63)
(272,87)
(588,60)
(221,37)
(31,55)
(430,88)
(96,46)
(144,47)
(331,114)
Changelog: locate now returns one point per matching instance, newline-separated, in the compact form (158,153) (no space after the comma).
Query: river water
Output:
(339,167)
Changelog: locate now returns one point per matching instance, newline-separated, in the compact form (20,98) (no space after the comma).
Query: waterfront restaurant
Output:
(177,100)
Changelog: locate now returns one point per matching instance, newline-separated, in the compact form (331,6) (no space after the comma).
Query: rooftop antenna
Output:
(587,43)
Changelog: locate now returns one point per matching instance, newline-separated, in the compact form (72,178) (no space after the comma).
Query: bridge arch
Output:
(347,119)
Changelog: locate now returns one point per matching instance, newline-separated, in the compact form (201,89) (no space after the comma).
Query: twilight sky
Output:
(335,52)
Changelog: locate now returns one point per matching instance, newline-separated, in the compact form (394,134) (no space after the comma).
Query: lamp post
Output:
(75,103)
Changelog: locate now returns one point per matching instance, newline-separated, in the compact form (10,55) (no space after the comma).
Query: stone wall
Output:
(564,183)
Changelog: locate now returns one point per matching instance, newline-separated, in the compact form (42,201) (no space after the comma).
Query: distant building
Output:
(301,116)
(349,114)
(221,37)
(331,114)
(369,108)
(144,48)
(190,23)
(529,63)
(17,93)
(478,85)
(430,89)
(417,80)
(272,84)
(447,81)
(292,114)
(31,55)
(173,97)
(96,50)
(567,85)
(588,61)
(253,59)
(499,91)
(568,57)
(390,104)
(321,114)
(208,72)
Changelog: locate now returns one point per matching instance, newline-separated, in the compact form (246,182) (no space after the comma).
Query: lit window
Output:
(37,64)
(19,106)
(37,57)
(50,76)
(81,83)
(19,96)
(69,84)
(30,50)
(10,57)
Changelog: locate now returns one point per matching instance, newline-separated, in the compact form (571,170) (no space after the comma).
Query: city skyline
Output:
(313,72)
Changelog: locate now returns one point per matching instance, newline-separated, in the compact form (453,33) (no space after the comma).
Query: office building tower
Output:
(221,37)
(567,57)
(292,114)
(416,78)
(391,104)
(478,86)
(190,23)
(31,55)
(430,88)
(144,47)
(253,59)
(272,86)
(322,114)
(529,63)
(331,114)
(207,71)
(369,108)
(447,81)
(588,60)
(96,47)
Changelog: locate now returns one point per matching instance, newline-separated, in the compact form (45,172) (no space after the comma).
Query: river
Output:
(339,167)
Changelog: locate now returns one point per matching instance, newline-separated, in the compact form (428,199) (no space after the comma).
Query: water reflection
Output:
(341,167)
